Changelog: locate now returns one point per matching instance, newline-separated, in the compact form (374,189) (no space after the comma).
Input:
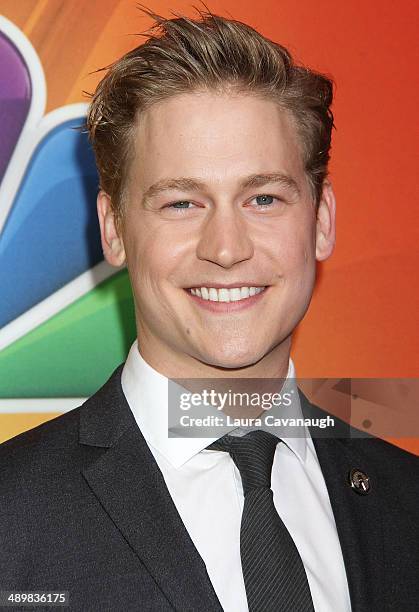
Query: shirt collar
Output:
(146,391)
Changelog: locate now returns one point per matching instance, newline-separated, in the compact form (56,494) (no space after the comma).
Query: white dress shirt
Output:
(206,488)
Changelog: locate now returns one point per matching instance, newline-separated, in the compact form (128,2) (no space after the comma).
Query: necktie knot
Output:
(253,455)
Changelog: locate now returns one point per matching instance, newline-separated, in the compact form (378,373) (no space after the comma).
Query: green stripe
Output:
(73,353)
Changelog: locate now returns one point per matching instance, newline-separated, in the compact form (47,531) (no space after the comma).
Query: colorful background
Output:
(57,294)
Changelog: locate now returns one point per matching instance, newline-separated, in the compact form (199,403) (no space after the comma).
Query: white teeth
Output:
(213,295)
(223,295)
(234,294)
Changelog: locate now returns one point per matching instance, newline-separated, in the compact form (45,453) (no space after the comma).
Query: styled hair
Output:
(210,53)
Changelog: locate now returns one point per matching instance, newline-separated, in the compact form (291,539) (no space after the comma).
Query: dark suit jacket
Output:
(84,508)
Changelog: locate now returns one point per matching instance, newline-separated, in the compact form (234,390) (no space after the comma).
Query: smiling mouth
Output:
(224,294)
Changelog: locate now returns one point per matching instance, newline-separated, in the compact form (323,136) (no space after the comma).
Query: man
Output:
(212,148)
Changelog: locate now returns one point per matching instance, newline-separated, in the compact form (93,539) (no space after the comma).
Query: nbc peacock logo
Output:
(66,317)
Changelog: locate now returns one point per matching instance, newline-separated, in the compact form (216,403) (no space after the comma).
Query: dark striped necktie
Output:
(274,575)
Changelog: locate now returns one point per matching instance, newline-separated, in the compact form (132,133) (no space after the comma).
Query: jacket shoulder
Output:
(387,455)
(53,447)
(25,456)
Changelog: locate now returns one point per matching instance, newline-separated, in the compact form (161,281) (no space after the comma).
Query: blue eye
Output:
(264,199)
(181,204)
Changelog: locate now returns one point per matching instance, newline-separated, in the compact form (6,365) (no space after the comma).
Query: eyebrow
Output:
(259,180)
(182,184)
(190,184)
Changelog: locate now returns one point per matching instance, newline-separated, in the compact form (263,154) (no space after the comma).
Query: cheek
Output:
(157,264)
(294,252)
(295,264)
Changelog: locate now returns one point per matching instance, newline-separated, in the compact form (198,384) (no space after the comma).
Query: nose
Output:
(225,240)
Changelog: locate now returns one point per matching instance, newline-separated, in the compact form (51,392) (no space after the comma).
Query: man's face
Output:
(219,208)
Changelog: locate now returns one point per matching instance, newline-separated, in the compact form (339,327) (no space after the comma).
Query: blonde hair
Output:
(211,53)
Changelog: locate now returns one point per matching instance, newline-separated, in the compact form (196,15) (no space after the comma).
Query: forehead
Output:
(215,137)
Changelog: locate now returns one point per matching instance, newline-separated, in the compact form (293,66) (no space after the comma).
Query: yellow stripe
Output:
(13,424)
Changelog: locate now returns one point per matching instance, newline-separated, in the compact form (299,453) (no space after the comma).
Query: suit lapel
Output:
(131,489)
(357,517)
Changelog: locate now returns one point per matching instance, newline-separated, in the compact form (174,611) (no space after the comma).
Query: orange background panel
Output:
(363,318)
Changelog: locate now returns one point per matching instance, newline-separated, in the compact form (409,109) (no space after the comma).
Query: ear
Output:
(112,243)
(326,223)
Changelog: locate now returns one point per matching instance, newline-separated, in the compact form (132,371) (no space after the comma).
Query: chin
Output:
(233,357)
